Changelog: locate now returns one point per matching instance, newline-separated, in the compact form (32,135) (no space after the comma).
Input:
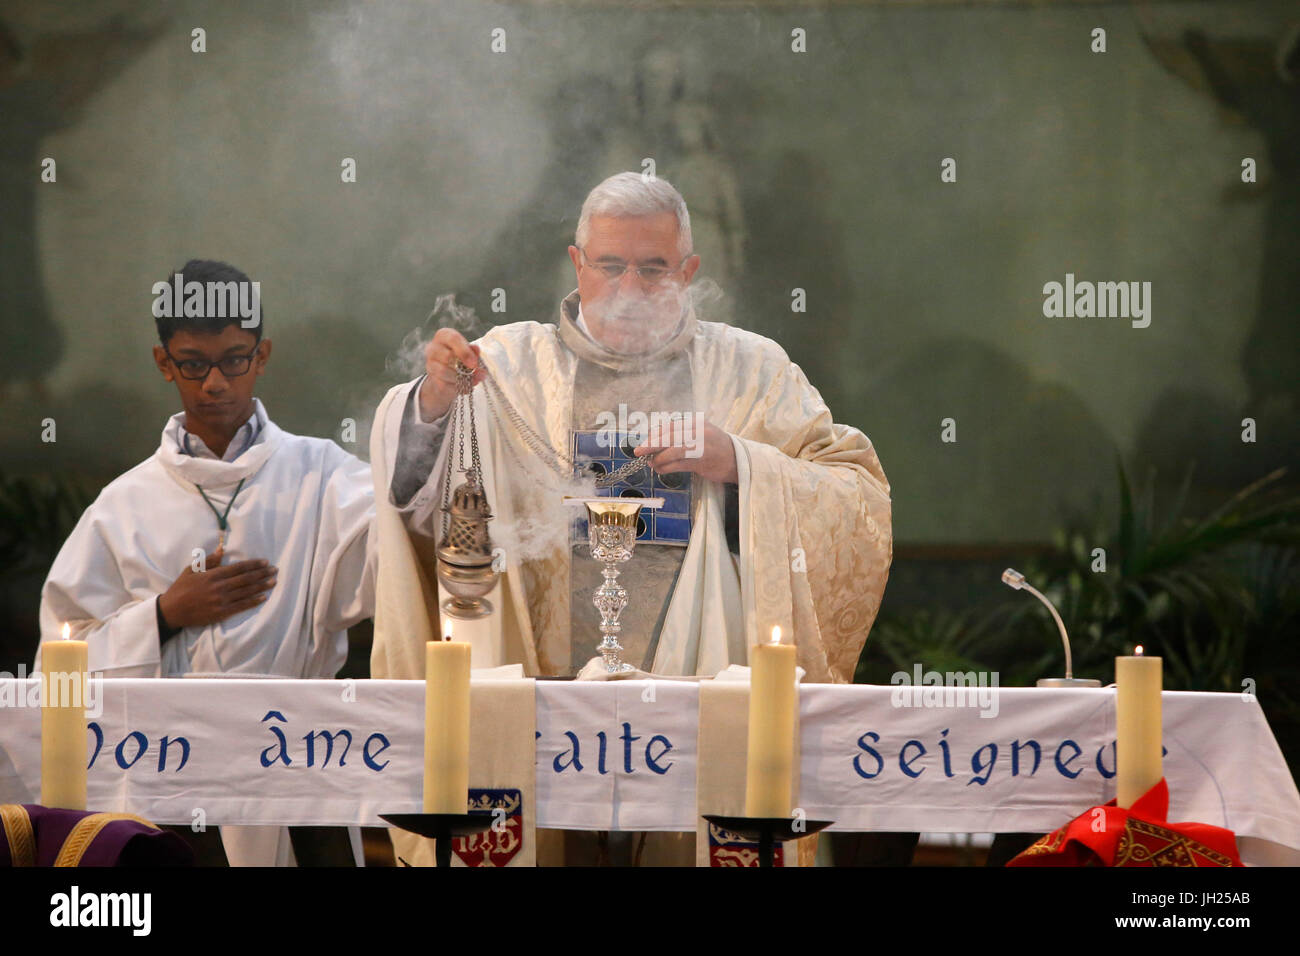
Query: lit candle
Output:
(446,726)
(1138,764)
(63,723)
(771,729)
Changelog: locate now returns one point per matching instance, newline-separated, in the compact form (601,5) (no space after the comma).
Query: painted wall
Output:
(817,170)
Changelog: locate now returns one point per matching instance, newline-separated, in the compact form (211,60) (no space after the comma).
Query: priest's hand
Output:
(709,453)
(438,390)
(197,598)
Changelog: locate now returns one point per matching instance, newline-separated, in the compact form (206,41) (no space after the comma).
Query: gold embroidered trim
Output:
(1178,850)
(1048,843)
(18,832)
(84,833)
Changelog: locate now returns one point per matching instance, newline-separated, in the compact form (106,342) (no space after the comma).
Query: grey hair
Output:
(632,194)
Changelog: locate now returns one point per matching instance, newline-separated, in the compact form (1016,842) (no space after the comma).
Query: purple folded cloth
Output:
(32,835)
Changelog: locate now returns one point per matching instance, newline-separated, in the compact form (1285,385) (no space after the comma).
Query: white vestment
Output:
(815,516)
(306,506)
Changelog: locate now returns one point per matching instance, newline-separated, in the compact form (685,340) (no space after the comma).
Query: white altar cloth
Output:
(622,755)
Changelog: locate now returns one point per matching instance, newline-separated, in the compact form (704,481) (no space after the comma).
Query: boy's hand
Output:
(197,598)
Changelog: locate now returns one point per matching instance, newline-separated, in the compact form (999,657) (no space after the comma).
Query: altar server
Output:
(237,548)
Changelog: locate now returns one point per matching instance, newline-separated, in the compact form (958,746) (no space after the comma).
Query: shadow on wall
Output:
(1192,429)
(1257,81)
(1023,447)
(793,232)
(324,370)
(42,91)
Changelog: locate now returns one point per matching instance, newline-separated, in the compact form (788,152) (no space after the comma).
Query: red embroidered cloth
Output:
(1138,836)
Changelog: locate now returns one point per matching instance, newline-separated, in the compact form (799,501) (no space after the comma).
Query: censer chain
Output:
(561,464)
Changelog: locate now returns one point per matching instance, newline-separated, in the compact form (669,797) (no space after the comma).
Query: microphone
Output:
(1016,580)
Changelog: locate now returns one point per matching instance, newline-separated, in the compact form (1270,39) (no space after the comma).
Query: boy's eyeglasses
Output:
(196,370)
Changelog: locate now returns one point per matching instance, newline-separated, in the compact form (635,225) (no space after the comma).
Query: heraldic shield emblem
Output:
(731,849)
(497,845)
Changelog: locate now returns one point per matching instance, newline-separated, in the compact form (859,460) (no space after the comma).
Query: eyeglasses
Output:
(613,271)
(196,370)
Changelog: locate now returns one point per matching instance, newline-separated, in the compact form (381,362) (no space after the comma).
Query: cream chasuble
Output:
(815,531)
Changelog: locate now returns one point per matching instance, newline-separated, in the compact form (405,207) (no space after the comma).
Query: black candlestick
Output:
(442,827)
(768,831)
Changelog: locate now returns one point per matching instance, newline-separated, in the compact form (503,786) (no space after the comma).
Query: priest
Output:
(236,549)
(786,514)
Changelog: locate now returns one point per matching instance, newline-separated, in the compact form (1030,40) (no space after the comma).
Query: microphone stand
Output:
(1016,580)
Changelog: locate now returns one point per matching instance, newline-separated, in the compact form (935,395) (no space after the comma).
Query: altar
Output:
(625,755)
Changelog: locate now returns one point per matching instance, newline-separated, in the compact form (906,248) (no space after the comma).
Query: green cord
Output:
(222,524)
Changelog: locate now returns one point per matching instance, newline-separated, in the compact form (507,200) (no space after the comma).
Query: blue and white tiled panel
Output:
(670,524)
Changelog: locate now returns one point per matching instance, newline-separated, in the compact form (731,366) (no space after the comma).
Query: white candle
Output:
(772,697)
(1138,763)
(63,723)
(446,727)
